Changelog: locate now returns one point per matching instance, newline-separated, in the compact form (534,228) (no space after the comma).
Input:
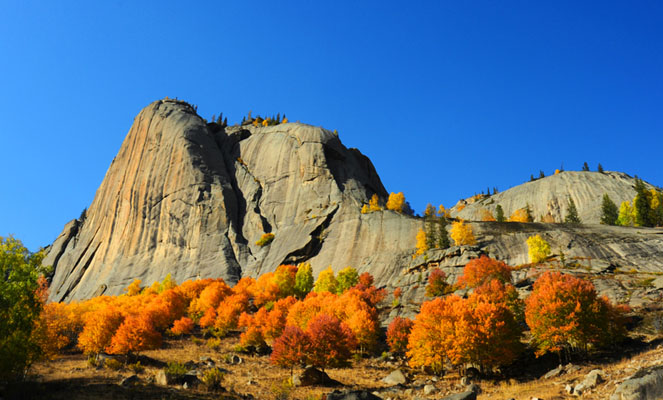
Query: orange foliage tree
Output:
(486,215)
(332,342)
(291,348)
(565,313)
(398,333)
(437,283)
(484,269)
(99,328)
(182,326)
(135,334)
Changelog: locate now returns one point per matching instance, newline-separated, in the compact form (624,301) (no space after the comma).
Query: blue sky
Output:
(446,98)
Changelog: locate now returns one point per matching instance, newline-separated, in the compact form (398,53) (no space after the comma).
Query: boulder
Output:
(312,376)
(646,384)
(395,377)
(592,379)
(554,372)
(429,389)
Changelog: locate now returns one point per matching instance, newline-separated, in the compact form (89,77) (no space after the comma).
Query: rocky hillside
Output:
(191,199)
(549,196)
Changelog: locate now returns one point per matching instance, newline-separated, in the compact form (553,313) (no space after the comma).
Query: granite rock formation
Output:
(549,196)
(191,199)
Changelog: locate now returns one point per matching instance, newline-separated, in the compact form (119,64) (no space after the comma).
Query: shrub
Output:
(136,368)
(374,203)
(398,333)
(212,379)
(99,329)
(265,239)
(113,364)
(175,371)
(538,249)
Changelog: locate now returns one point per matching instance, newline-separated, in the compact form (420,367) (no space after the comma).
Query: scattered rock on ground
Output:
(352,395)
(592,379)
(130,380)
(395,377)
(554,372)
(468,395)
(429,389)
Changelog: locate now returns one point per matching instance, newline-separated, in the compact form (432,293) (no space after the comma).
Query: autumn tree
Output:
(499,214)
(482,270)
(347,278)
(656,207)
(461,233)
(422,243)
(572,213)
(609,211)
(437,283)
(398,333)
(520,215)
(332,342)
(99,329)
(396,201)
(326,281)
(135,334)
(285,278)
(134,288)
(303,280)
(20,307)
(374,203)
(210,297)
(626,214)
(291,348)
(182,326)
(565,313)
(486,215)
(538,249)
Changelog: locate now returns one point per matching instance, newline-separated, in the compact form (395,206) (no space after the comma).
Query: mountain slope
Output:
(191,199)
(549,196)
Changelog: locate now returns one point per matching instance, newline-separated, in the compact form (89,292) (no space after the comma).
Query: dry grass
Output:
(70,377)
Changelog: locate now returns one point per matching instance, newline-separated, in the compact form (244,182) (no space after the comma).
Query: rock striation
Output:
(191,199)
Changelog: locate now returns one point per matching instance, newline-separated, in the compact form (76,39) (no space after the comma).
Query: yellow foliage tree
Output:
(134,288)
(396,202)
(374,203)
(326,281)
(538,249)
(364,209)
(486,215)
(285,120)
(443,212)
(422,246)
(520,215)
(462,234)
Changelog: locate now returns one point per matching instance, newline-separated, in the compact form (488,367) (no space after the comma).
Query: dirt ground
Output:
(72,377)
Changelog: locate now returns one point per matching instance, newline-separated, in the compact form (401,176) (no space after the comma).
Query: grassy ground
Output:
(71,377)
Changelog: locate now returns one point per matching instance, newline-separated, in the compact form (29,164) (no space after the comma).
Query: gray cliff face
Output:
(550,195)
(189,199)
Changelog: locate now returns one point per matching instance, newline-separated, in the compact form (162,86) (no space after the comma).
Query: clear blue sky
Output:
(446,98)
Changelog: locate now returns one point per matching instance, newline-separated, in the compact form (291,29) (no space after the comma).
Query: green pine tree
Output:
(572,213)
(585,167)
(642,204)
(541,174)
(600,168)
(609,211)
(499,214)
